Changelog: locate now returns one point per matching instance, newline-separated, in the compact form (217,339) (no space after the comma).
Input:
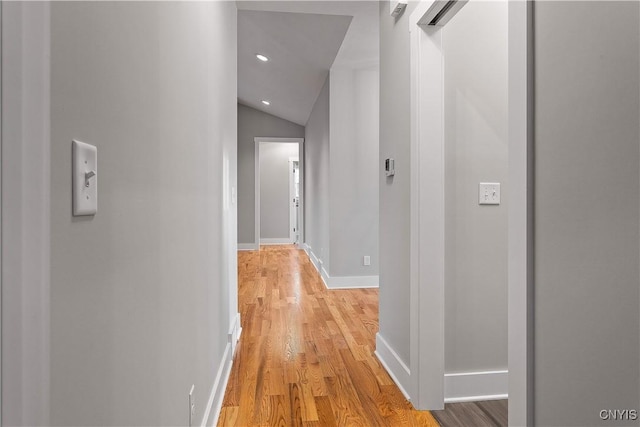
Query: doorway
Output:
(441,193)
(279,198)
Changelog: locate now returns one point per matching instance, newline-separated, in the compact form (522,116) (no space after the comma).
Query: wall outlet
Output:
(366,260)
(192,405)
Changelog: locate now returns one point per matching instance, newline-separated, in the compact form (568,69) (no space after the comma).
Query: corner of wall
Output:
(339,282)
(395,366)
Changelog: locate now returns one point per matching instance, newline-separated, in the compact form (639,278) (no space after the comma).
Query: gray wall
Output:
(476,122)
(140,306)
(274,189)
(394,191)
(316,177)
(587,170)
(354,170)
(252,123)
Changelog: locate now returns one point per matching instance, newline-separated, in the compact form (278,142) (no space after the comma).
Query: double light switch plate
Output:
(489,193)
(85,179)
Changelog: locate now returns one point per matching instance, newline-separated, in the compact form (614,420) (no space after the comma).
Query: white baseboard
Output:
(234,333)
(276,241)
(351,282)
(314,259)
(324,275)
(339,282)
(396,368)
(217,391)
(248,247)
(476,386)
(214,406)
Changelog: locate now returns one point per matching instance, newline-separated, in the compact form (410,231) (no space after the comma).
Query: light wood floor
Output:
(305,356)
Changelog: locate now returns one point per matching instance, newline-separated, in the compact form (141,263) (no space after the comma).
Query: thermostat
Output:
(396,7)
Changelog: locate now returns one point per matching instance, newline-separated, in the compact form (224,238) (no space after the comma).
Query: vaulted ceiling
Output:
(303,40)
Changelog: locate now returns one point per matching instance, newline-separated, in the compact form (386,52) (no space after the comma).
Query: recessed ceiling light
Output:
(265,102)
(261,57)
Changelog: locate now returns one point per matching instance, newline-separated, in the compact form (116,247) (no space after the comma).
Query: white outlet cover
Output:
(489,193)
(85,179)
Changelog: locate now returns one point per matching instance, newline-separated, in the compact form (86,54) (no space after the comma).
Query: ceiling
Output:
(303,40)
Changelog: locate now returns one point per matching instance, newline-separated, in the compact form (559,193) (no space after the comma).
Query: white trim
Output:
(263,139)
(1,215)
(219,387)
(324,274)
(476,386)
(276,241)
(520,215)
(427,217)
(234,333)
(276,139)
(248,247)
(396,368)
(294,211)
(217,390)
(312,256)
(256,237)
(26,233)
(351,282)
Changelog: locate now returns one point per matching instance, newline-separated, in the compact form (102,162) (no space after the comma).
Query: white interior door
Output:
(294,201)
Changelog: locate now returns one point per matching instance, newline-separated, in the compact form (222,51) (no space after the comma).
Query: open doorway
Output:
(460,73)
(279,191)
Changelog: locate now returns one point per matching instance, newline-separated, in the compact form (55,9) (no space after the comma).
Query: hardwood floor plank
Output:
(464,414)
(325,411)
(277,415)
(295,401)
(496,410)
(228,416)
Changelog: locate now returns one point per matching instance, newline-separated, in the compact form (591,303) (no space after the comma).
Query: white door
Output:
(294,201)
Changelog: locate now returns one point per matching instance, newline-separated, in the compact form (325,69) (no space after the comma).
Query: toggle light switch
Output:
(489,193)
(85,179)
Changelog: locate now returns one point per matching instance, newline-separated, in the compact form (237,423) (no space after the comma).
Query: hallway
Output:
(305,356)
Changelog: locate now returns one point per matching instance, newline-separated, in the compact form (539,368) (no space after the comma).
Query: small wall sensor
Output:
(389,167)
(396,7)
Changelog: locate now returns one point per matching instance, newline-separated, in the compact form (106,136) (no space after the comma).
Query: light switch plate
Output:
(489,193)
(85,179)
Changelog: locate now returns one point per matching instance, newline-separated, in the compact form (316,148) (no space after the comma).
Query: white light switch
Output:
(489,193)
(85,179)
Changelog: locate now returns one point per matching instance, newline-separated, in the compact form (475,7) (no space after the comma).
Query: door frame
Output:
(427,217)
(25,212)
(258,140)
